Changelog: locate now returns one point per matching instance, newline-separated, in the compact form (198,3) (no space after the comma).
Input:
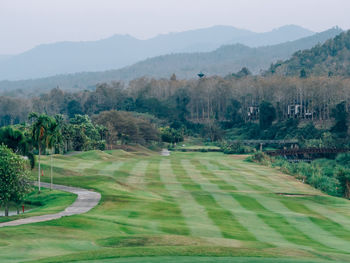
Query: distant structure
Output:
(200,75)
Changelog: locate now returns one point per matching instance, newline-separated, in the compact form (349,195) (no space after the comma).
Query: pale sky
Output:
(27,23)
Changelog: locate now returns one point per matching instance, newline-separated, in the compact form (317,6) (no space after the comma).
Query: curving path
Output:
(85,201)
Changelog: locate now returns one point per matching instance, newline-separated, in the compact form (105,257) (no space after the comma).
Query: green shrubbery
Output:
(235,148)
(329,176)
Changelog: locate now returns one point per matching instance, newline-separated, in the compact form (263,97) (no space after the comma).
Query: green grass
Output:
(188,207)
(47,202)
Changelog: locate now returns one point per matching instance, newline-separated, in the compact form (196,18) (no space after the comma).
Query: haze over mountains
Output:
(222,61)
(122,50)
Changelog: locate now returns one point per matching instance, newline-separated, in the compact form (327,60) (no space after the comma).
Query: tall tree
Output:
(40,135)
(340,115)
(18,142)
(14,180)
(54,140)
(267,115)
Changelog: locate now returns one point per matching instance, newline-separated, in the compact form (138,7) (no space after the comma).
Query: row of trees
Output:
(228,99)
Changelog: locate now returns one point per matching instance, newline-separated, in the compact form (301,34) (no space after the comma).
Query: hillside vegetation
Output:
(330,59)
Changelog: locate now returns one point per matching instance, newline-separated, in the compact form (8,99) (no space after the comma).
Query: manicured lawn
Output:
(47,202)
(188,207)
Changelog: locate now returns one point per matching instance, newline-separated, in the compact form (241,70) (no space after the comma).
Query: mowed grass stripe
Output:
(110,168)
(221,215)
(164,211)
(246,216)
(137,174)
(225,169)
(195,215)
(325,223)
(269,216)
(331,213)
(268,177)
(328,226)
(300,221)
(257,177)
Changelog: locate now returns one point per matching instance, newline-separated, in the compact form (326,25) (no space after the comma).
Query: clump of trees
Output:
(122,127)
(14,179)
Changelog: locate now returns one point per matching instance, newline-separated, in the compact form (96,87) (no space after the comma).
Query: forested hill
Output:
(225,60)
(328,59)
(119,51)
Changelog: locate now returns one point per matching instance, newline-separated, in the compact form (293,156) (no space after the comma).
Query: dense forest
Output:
(215,102)
(330,59)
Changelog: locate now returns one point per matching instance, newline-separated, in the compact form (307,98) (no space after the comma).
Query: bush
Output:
(235,148)
(260,157)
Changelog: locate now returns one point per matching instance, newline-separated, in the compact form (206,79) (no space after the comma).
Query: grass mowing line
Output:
(254,184)
(247,218)
(125,169)
(257,177)
(165,212)
(267,213)
(327,224)
(137,175)
(325,230)
(110,168)
(270,176)
(224,218)
(195,215)
(299,221)
(331,214)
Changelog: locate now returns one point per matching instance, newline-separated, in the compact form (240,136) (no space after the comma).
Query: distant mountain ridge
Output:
(225,60)
(122,50)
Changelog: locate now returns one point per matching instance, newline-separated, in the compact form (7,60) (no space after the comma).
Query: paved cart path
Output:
(85,201)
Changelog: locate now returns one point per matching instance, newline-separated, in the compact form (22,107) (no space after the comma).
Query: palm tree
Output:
(54,140)
(18,142)
(40,134)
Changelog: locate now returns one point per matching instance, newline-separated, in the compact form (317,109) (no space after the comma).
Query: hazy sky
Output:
(26,23)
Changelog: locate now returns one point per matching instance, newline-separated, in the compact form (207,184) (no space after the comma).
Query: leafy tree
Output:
(14,178)
(74,108)
(18,142)
(267,115)
(40,134)
(340,115)
(171,135)
(54,139)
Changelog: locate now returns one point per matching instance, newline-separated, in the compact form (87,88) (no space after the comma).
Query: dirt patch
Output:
(139,241)
(294,195)
(165,152)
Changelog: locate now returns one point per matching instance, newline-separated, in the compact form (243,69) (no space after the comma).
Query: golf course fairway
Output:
(186,207)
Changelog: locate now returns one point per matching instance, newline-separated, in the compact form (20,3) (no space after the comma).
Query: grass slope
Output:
(188,207)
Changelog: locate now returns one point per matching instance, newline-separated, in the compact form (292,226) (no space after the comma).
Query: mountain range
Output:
(222,61)
(120,51)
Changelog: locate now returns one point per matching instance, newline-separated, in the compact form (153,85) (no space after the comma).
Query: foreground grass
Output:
(188,207)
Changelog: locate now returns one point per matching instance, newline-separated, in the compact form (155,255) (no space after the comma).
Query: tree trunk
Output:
(17,210)
(39,170)
(51,170)
(6,210)
(347,189)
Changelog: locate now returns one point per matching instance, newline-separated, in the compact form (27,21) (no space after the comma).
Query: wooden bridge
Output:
(295,151)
